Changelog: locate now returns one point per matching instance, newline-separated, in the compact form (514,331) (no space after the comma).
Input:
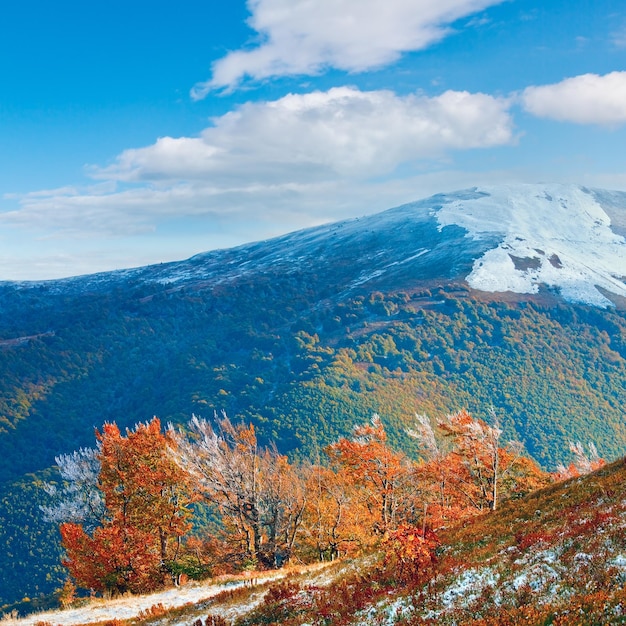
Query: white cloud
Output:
(321,136)
(305,36)
(585,99)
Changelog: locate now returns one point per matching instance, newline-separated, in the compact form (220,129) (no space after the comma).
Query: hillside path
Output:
(130,606)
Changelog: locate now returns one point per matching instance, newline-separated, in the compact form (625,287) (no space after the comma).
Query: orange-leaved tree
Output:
(437,476)
(381,474)
(334,515)
(147,498)
(475,457)
(487,467)
(467,467)
(409,551)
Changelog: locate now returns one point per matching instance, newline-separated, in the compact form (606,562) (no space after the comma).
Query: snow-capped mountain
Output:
(421,308)
(512,238)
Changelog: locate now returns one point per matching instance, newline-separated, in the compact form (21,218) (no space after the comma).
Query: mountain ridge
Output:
(595,221)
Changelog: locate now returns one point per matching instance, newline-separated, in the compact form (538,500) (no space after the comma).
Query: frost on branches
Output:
(260,495)
(78,500)
(466,469)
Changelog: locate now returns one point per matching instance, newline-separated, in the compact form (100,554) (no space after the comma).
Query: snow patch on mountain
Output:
(558,235)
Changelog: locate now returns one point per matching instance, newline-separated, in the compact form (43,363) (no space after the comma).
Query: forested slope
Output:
(304,373)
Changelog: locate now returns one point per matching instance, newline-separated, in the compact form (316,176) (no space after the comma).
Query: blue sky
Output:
(147,131)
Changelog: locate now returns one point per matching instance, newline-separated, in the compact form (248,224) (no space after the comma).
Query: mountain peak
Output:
(506,238)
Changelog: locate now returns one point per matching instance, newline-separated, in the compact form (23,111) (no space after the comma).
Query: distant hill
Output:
(512,297)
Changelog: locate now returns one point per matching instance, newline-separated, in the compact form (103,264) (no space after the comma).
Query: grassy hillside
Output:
(556,557)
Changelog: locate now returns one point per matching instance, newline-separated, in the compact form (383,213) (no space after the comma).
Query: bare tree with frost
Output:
(584,462)
(424,433)
(78,499)
(466,460)
(258,492)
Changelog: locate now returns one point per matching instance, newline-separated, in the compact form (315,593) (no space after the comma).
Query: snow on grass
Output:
(619,561)
(387,613)
(537,577)
(195,595)
(558,235)
(468,587)
(128,606)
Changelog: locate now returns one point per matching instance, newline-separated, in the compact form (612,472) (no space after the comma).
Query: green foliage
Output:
(31,553)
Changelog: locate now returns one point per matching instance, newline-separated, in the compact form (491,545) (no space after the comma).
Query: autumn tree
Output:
(469,466)
(408,552)
(146,499)
(336,515)
(476,457)
(381,474)
(435,476)
(258,492)
(283,500)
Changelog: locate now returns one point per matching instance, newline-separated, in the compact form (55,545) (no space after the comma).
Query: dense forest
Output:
(555,371)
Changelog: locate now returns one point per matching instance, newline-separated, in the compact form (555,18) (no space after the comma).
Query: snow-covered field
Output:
(130,606)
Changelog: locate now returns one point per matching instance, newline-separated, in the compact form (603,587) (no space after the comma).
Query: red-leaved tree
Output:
(147,501)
